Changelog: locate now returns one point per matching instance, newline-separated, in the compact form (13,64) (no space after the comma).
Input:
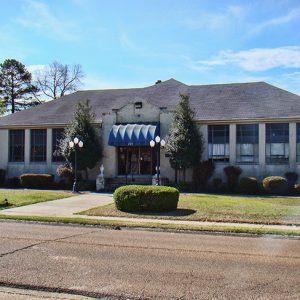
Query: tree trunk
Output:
(176,176)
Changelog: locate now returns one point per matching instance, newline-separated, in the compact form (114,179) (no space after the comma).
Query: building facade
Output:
(253,125)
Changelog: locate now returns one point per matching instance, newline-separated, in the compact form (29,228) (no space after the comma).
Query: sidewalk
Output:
(68,207)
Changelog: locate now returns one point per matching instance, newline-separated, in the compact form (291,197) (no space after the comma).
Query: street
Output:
(141,264)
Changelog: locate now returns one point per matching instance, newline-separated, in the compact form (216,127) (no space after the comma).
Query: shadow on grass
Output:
(180,212)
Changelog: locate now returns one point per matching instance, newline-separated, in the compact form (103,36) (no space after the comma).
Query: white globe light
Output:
(152,143)
(76,140)
(71,144)
(80,144)
(157,139)
(163,143)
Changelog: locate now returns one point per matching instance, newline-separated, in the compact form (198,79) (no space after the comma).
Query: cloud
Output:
(257,59)
(294,14)
(128,44)
(216,21)
(38,16)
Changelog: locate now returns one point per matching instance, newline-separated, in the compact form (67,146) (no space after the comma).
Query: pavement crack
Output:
(42,242)
(20,249)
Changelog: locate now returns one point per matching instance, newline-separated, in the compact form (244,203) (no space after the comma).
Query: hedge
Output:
(37,180)
(136,198)
(248,185)
(276,185)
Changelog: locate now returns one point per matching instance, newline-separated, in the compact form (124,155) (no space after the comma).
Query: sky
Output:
(133,43)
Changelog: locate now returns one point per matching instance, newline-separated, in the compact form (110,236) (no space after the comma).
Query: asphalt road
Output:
(145,264)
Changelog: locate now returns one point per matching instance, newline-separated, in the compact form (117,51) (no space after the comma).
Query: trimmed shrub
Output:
(13,182)
(37,180)
(248,185)
(135,198)
(2,177)
(66,173)
(275,185)
(232,173)
(297,189)
(292,178)
(202,173)
(217,186)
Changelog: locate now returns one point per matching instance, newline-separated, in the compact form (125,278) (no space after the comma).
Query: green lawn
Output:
(24,197)
(208,207)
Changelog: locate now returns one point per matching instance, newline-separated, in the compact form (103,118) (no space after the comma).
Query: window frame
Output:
(10,146)
(247,140)
(210,142)
(40,158)
(273,138)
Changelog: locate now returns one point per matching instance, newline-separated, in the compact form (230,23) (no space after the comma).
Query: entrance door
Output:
(135,161)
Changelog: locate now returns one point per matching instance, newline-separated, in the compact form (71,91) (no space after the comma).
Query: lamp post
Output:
(159,143)
(75,144)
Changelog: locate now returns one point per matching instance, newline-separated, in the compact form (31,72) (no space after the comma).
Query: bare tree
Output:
(58,79)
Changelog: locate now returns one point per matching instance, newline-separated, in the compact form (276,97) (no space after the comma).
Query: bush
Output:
(232,173)
(66,172)
(217,186)
(13,182)
(276,185)
(135,198)
(248,185)
(297,189)
(202,173)
(292,178)
(2,177)
(37,180)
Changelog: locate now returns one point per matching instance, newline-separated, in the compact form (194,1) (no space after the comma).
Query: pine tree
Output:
(16,88)
(184,142)
(82,127)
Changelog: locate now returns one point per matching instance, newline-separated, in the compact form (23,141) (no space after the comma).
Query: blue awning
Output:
(133,134)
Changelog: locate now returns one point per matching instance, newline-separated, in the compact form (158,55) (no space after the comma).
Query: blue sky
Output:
(134,43)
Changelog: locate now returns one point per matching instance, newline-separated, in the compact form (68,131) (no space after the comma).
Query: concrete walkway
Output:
(65,207)
(68,207)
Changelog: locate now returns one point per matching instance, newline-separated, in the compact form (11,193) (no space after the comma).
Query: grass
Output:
(114,223)
(20,197)
(220,208)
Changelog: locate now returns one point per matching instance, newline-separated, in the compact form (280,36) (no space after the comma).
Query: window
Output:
(247,143)
(277,143)
(136,161)
(16,145)
(57,135)
(218,143)
(38,144)
(298,142)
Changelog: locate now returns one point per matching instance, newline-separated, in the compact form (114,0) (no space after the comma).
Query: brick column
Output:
(262,145)
(49,148)
(232,144)
(292,145)
(27,148)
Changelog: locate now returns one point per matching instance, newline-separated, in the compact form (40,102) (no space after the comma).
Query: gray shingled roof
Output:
(211,102)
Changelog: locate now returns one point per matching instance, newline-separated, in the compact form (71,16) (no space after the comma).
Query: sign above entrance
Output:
(133,134)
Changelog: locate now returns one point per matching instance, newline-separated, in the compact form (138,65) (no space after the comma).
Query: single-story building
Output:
(253,125)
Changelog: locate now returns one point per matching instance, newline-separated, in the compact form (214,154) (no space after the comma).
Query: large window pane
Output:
(38,145)
(57,135)
(277,143)
(247,143)
(298,141)
(136,161)
(16,145)
(218,143)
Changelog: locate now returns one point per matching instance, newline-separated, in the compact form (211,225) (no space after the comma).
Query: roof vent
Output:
(158,81)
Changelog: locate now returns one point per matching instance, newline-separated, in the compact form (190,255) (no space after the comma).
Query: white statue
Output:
(100,181)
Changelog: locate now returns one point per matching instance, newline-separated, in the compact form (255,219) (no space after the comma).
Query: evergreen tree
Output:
(16,88)
(82,127)
(184,143)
